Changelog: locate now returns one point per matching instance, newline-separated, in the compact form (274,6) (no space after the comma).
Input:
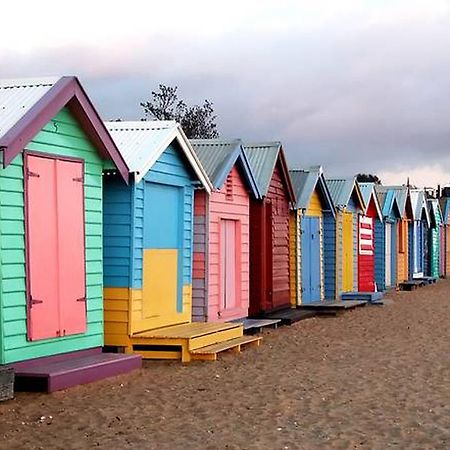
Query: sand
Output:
(373,378)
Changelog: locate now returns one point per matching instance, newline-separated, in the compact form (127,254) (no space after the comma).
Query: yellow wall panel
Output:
(347,251)
(315,205)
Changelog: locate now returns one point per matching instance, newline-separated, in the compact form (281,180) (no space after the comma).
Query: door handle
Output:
(35,301)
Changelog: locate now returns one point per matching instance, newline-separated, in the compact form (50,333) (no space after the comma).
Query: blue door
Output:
(310,248)
(394,254)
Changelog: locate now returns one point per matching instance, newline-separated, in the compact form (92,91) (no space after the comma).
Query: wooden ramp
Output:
(333,306)
(189,341)
(54,374)
(289,316)
(252,326)
(411,285)
(375,298)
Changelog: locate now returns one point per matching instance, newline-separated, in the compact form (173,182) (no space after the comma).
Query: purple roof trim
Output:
(67,91)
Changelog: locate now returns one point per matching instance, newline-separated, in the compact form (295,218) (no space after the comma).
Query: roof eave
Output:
(67,91)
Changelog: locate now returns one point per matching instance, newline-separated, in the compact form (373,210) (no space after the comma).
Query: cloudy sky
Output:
(357,86)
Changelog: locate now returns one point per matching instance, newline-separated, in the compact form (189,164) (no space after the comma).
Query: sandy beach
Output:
(373,378)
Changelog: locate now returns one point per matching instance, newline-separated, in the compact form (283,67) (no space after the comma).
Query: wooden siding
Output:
(402,253)
(380,260)
(315,205)
(434,252)
(62,136)
(200,261)
(117,249)
(447,250)
(232,207)
(355,222)
(124,225)
(277,195)
(295,256)
(329,255)
(366,262)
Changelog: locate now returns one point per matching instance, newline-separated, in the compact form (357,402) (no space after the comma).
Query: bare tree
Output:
(197,121)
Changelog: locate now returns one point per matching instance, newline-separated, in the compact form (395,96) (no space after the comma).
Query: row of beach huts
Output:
(125,240)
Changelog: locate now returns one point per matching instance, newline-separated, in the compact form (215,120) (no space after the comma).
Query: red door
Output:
(366,263)
(55,247)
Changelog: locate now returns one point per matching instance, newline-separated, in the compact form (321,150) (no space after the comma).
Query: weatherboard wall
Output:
(230,203)
(62,136)
(129,242)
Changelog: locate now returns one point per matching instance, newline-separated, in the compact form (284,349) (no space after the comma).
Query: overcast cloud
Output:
(357,86)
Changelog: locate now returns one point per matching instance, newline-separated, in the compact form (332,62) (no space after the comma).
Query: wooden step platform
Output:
(428,280)
(370,297)
(180,341)
(333,306)
(49,375)
(411,285)
(289,316)
(210,352)
(252,326)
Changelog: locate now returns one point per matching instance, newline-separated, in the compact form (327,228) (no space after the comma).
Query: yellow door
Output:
(347,252)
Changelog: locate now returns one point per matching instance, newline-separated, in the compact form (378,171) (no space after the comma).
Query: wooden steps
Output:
(184,341)
(370,297)
(210,352)
(411,285)
(51,375)
(333,306)
(252,326)
(289,316)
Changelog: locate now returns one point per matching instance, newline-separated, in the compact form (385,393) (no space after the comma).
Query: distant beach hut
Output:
(404,203)
(53,148)
(387,277)
(371,247)
(313,238)
(269,229)
(221,270)
(445,208)
(434,243)
(349,204)
(420,222)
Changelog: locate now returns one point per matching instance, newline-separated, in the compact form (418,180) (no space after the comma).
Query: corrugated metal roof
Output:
(445,208)
(18,96)
(304,182)
(418,203)
(215,156)
(367,192)
(141,143)
(435,209)
(263,158)
(341,190)
(401,195)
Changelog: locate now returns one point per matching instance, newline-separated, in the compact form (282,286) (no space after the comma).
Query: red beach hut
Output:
(269,229)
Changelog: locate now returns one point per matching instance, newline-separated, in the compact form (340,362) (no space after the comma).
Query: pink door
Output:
(71,247)
(55,247)
(229,266)
(42,246)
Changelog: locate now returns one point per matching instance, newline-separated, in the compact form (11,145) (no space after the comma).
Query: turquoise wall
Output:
(62,136)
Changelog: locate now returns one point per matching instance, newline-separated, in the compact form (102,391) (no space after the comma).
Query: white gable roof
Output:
(141,143)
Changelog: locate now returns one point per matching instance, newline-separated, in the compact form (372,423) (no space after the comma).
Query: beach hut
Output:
(387,277)
(445,208)
(269,229)
(53,147)
(420,222)
(221,267)
(371,242)
(349,204)
(312,238)
(148,252)
(404,203)
(434,242)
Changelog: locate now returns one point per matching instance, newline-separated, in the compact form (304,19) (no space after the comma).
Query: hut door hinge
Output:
(78,180)
(35,301)
(32,174)
(82,299)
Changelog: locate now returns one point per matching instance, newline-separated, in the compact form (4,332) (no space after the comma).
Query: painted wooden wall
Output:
(366,262)
(62,136)
(434,247)
(269,249)
(329,255)
(231,202)
(402,251)
(126,234)
(294,256)
(277,195)
(380,260)
(447,250)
